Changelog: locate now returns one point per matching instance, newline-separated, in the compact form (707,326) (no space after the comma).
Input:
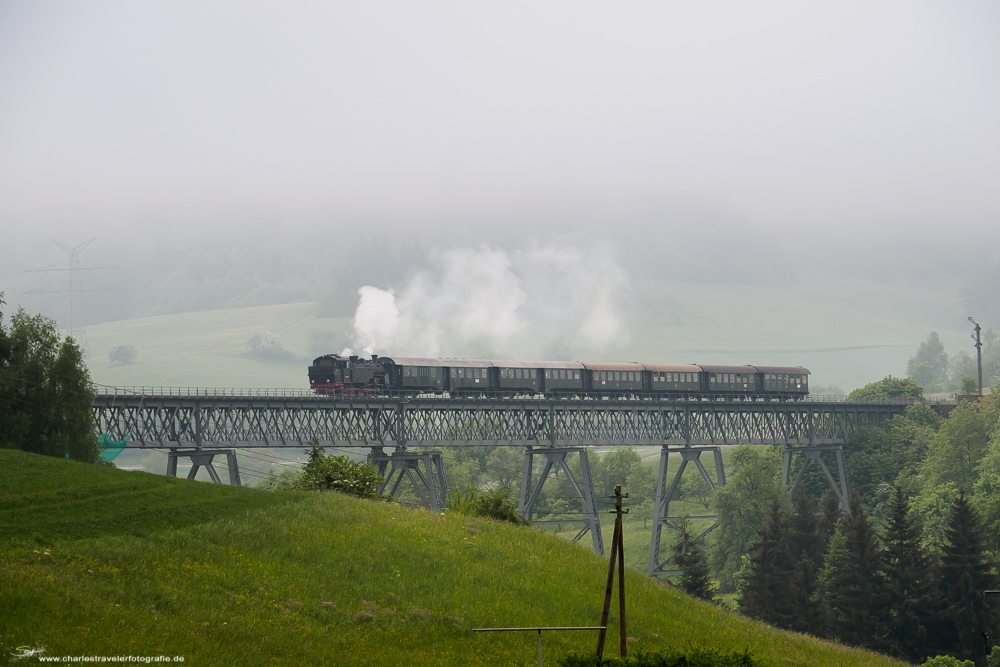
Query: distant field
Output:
(209,349)
(847,332)
(102,562)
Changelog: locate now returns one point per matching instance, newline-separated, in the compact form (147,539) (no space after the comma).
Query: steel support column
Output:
(814,453)
(664,494)
(204,458)
(584,488)
(429,484)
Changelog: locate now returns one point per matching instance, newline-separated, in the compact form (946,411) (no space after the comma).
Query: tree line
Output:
(46,397)
(835,576)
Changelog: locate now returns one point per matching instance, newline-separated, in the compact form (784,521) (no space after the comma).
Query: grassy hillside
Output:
(95,561)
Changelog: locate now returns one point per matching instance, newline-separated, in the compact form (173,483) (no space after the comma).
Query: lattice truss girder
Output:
(278,422)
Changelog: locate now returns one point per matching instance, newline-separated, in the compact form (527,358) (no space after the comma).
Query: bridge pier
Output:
(814,453)
(688,454)
(556,456)
(429,484)
(204,458)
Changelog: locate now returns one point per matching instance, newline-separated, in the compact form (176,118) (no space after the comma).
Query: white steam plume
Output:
(489,299)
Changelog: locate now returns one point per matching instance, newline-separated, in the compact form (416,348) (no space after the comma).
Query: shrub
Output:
(267,345)
(493,504)
(123,354)
(947,661)
(325,472)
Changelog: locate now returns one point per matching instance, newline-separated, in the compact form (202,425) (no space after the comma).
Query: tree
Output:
(886,389)
(764,593)
(878,454)
(613,469)
(267,345)
(909,582)
(929,367)
(804,545)
(504,466)
(123,354)
(743,505)
(965,573)
(987,490)
(860,605)
(958,446)
(46,398)
(829,594)
(691,560)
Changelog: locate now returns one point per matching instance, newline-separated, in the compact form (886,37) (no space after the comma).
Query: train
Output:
(354,376)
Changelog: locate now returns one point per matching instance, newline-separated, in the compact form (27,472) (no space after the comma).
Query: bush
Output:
(267,345)
(699,657)
(495,504)
(123,354)
(325,472)
(947,661)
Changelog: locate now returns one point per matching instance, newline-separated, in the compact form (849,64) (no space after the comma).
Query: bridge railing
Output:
(221,392)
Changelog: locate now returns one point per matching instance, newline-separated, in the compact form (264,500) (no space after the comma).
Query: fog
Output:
(508,178)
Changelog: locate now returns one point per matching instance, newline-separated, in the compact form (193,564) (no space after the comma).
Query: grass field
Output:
(102,562)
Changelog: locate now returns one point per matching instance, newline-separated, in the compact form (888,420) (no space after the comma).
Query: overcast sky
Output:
(785,116)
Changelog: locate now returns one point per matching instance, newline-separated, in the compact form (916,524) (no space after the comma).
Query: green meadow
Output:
(100,562)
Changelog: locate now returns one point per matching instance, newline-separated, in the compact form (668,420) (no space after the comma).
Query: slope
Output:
(100,562)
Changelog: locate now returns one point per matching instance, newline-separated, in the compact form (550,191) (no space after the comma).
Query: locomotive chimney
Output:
(374,358)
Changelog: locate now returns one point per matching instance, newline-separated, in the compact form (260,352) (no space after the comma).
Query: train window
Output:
(548,374)
(454,373)
(576,375)
(618,376)
(604,375)
(562,375)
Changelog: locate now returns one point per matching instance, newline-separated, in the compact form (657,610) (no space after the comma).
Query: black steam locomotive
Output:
(354,376)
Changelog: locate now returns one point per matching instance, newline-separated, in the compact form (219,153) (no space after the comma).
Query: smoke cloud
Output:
(483,300)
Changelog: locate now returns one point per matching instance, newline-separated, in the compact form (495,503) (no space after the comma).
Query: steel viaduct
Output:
(202,424)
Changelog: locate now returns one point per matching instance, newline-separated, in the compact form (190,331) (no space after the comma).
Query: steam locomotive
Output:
(353,376)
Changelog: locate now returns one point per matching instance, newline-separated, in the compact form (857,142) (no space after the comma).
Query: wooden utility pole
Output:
(617,553)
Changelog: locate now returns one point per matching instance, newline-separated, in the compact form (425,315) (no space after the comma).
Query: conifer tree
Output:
(860,605)
(831,517)
(804,547)
(909,582)
(765,593)
(692,561)
(833,560)
(965,572)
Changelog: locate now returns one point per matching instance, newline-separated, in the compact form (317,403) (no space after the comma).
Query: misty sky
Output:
(792,117)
